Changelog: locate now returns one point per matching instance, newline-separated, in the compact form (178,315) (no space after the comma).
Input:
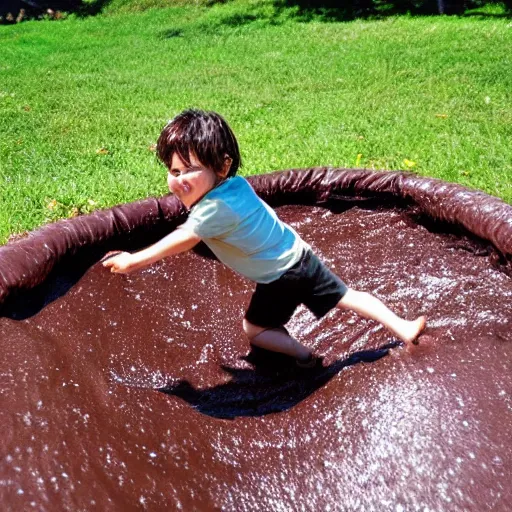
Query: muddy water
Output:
(139,392)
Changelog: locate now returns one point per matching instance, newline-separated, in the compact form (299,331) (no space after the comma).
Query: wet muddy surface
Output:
(140,392)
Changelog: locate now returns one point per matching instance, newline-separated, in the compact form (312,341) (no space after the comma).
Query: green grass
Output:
(83,100)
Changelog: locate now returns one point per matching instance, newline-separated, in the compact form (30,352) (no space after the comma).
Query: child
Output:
(202,156)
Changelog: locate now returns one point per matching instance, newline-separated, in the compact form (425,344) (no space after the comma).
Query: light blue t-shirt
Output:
(244,232)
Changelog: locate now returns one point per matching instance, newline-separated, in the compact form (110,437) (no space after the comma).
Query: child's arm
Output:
(180,240)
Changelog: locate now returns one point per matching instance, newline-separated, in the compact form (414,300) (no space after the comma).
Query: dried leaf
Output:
(17,236)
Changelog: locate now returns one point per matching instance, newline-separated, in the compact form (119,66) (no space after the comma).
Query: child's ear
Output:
(227,166)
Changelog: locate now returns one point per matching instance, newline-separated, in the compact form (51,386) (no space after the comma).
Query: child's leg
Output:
(368,306)
(276,340)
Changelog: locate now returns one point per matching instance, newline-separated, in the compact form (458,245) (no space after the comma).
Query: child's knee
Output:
(246,326)
(251,330)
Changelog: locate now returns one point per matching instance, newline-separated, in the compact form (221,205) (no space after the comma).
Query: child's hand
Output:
(119,262)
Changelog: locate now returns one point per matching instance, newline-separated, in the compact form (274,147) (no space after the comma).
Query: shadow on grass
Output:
(489,15)
(300,10)
(273,384)
(93,8)
(171,33)
(12,11)
(346,10)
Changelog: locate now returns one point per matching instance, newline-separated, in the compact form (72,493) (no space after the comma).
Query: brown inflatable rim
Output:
(26,263)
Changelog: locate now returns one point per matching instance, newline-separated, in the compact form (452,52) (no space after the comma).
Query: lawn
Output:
(82,100)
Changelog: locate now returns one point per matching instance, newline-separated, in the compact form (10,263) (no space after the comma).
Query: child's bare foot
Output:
(412,329)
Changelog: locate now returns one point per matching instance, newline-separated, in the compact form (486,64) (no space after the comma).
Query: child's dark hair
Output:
(205,134)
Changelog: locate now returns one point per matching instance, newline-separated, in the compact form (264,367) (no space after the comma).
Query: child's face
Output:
(190,183)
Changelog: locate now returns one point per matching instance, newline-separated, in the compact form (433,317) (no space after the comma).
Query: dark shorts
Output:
(308,282)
